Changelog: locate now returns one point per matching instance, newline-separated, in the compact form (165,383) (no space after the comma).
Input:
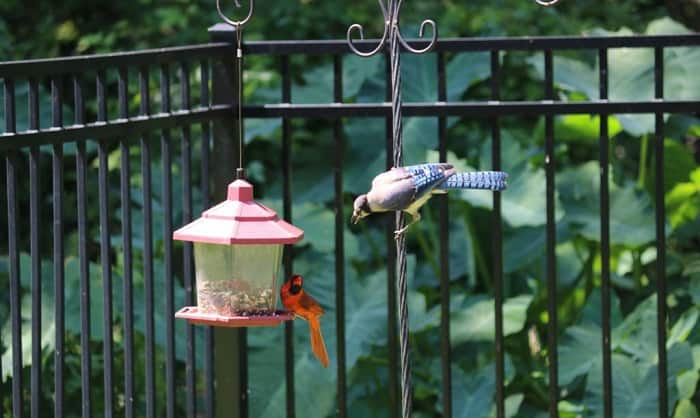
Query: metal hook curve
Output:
(359,27)
(547,3)
(421,32)
(236,23)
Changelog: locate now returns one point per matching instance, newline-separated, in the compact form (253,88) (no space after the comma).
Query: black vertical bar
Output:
(339,241)
(444,226)
(101,96)
(168,247)
(58,269)
(287,209)
(78,102)
(392,319)
(660,234)
(188,269)
(9,98)
(208,332)
(81,169)
(34,193)
(103,191)
(551,242)
(107,345)
(497,234)
(34,103)
(56,102)
(144,91)
(145,144)
(122,91)
(59,275)
(58,252)
(127,280)
(13,253)
(185,86)
(604,146)
(12,219)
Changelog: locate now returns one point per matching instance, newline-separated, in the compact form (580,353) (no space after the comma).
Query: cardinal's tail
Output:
(318,346)
(490,180)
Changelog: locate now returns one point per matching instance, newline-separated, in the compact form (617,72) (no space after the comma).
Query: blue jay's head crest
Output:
(360,209)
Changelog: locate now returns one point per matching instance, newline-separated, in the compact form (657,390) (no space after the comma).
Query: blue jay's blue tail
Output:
(487,180)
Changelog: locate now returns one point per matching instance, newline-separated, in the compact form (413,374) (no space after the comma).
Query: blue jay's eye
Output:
(365,207)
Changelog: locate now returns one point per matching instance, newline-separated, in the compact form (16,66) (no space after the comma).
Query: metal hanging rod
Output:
(391,13)
(238,24)
(547,3)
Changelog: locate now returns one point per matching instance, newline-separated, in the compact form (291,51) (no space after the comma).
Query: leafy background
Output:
(74,27)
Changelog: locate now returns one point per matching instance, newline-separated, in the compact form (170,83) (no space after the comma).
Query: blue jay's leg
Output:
(415,217)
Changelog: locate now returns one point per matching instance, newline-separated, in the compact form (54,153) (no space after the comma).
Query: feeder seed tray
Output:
(193,316)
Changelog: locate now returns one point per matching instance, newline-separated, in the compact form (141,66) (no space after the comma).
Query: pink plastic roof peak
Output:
(239,220)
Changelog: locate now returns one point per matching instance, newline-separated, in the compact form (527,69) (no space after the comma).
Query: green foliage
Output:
(633,256)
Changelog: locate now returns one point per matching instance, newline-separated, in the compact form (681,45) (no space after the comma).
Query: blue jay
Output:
(408,188)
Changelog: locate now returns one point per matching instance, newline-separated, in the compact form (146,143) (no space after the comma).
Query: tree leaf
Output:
(472,394)
(473,318)
(631,74)
(684,326)
(686,409)
(631,212)
(579,351)
(569,74)
(465,70)
(636,384)
(522,202)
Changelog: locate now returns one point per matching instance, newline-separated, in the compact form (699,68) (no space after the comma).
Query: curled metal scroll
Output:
(547,3)
(391,22)
(236,23)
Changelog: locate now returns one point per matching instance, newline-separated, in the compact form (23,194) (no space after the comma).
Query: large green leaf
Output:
(634,336)
(583,129)
(686,409)
(569,74)
(464,70)
(315,389)
(631,74)
(525,249)
(523,202)
(318,223)
(631,213)
(635,384)
(47,333)
(473,317)
(683,201)
(579,351)
(472,394)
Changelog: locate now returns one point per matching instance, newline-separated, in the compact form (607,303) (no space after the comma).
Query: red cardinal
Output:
(302,305)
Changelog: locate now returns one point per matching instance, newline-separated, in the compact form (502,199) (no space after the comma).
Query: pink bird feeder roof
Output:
(239,220)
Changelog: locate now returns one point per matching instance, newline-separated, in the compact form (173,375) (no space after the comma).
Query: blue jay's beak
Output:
(355,219)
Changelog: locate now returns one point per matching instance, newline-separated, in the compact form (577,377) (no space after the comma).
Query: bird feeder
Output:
(238,247)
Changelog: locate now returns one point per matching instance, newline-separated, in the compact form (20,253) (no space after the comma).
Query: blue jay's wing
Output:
(426,177)
(391,176)
(399,188)
(396,195)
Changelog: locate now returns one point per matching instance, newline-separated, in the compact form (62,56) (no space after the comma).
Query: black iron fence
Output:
(85,114)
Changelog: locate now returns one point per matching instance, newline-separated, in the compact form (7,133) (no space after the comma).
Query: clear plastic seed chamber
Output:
(238,246)
(237,280)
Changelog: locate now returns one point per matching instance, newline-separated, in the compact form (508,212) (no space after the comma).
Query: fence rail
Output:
(125,124)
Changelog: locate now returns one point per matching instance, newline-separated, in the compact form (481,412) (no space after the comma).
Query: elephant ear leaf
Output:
(631,74)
